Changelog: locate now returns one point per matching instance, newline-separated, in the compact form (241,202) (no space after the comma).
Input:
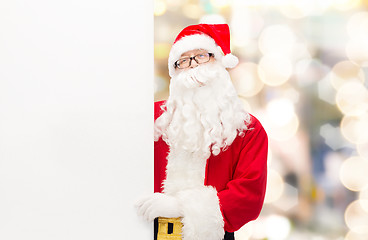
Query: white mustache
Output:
(196,81)
(198,77)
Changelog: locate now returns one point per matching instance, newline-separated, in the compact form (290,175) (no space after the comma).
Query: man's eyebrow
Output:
(198,53)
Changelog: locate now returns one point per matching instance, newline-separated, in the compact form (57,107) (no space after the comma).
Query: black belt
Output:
(228,235)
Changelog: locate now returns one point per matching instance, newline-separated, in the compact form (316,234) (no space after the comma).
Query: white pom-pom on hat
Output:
(230,61)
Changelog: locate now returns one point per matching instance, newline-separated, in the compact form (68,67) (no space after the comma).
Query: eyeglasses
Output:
(187,61)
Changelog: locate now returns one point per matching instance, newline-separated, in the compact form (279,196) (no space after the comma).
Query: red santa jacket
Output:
(238,174)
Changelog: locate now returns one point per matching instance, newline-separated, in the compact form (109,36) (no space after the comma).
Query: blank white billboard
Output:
(76,118)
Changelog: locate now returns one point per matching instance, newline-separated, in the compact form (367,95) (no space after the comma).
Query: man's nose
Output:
(193,63)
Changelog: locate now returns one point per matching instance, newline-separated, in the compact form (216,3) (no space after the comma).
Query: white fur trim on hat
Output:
(191,42)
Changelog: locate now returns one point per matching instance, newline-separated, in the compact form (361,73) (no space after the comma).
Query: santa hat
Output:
(215,38)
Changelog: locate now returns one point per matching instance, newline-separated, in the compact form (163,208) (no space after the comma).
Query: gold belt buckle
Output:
(169,228)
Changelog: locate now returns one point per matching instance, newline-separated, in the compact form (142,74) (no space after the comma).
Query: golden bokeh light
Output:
(246,24)
(353,173)
(356,218)
(277,227)
(275,186)
(357,51)
(159,7)
(246,104)
(363,150)
(294,11)
(357,25)
(245,232)
(220,3)
(356,236)
(303,8)
(291,94)
(357,47)
(345,71)
(269,156)
(300,51)
(345,5)
(246,79)
(174,4)
(280,110)
(192,11)
(258,228)
(277,39)
(274,69)
(308,70)
(161,50)
(212,19)
(287,131)
(352,98)
(363,197)
(355,128)
(281,121)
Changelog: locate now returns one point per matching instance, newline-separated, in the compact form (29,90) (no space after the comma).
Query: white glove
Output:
(158,205)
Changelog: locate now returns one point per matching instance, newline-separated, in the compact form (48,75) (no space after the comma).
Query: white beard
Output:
(203,113)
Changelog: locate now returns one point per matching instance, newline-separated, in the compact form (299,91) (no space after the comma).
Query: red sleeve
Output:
(242,199)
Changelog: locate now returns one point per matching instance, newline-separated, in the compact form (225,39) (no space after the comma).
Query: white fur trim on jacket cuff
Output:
(202,217)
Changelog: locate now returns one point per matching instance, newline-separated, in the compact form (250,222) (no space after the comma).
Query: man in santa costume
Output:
(210,154)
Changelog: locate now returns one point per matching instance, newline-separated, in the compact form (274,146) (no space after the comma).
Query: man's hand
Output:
(158,205)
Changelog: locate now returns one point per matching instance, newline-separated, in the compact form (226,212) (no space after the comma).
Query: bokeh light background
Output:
(303,72)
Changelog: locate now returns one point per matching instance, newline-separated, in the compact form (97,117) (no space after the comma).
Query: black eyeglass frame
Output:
(193,58)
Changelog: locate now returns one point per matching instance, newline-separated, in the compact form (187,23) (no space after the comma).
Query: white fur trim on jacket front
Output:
(184,170)
(202,217)
(191,42)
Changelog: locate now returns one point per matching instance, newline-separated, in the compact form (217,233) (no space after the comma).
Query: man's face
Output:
(194,57)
